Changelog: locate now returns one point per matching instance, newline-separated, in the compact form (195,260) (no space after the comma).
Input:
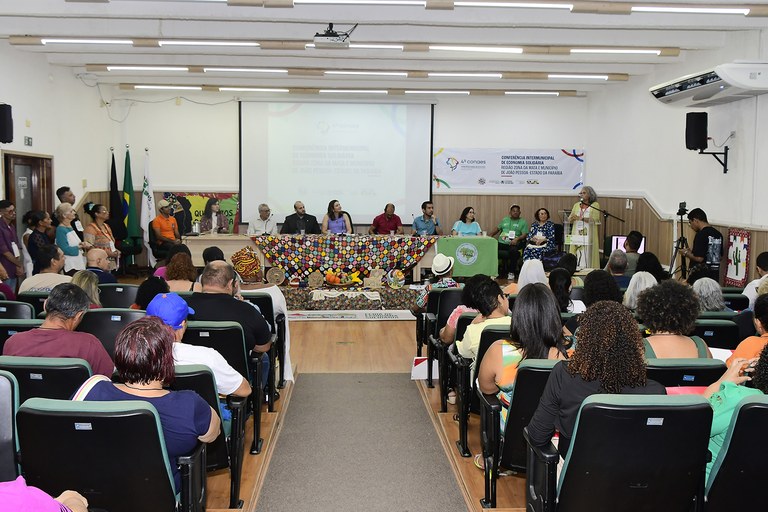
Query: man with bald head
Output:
(98,263)
(301,222)
(387,223)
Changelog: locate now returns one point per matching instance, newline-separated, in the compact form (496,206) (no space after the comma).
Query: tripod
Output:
(680,243)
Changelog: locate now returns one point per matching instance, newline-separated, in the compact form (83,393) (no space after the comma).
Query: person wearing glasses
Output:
(264,224)
(466,225)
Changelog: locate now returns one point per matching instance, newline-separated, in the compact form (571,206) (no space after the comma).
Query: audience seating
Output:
(577,293)
(10,327)
(685,372)
(115,455)
(447,300)
(447,368)
(717,315)
(736,301)
(15,310)
(37,299)
(158,251)
(628,452)
(227,339)
(732,289)
(47,377)
(745,321)
(9,404)
(718,333)
(422,329)
(222,452)
(277,351)
(117,295)
(106,324)
(465,382)
(510,452)
(737,479)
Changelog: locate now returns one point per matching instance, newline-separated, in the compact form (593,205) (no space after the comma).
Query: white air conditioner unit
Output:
(723,84)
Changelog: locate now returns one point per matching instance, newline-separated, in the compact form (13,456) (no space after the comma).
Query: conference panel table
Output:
(300,255)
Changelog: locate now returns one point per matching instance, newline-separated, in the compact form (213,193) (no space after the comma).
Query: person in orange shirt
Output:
(165,226)
(752,346)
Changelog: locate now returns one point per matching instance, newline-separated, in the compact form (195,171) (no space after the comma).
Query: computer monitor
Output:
(617,242)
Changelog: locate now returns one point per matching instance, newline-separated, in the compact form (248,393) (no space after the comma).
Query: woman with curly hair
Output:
(669,311)
(181,274)
(725,394)
(600,285)
(607,359)
(560,284)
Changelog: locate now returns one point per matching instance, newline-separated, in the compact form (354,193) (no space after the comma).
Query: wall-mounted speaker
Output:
(696,130)
(6,124)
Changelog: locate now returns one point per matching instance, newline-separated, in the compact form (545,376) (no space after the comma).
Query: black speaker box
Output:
(6,124)
(696,130)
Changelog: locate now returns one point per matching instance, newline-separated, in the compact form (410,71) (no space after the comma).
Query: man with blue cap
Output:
(173,311)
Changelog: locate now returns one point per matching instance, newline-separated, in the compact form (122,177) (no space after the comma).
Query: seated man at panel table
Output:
(513,232)
(56,337)
(50,259)
(165,226)
(427,223)
(386,223)
(300,222)
(173,311)
(264,224)
(97,262)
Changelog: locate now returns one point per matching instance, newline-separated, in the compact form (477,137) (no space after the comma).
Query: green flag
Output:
(129,205)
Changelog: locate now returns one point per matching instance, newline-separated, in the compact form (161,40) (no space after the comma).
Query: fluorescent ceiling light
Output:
(251,89)
(170,87)
(486,49)
(86,41)
(368,73)
(353,91)
(587,77)
(437,92)
(532,93)
(243,70)
(179,42)
(418,3)
(616,51)
(376,46)
(690,10)
(147,68)
(465,75)
(522,5)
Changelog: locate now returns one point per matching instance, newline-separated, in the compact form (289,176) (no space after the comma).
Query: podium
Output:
(580,237)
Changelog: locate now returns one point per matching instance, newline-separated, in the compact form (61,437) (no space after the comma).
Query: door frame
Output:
(41,187)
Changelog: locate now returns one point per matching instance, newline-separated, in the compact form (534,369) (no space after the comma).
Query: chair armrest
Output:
(430,317)
(458,360)
(541,476)
(547,454)
(490,401)
(193,479)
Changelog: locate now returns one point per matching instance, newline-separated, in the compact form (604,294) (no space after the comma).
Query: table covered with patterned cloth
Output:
(300,255)
(301,299)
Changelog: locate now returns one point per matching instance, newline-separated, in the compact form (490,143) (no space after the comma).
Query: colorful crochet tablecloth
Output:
(301,255)
(300,299)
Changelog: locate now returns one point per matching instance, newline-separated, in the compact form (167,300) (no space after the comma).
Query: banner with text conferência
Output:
(504,171)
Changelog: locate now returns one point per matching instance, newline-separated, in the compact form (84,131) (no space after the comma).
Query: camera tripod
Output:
(680,243)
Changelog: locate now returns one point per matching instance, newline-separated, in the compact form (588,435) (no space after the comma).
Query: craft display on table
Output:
(316,279)
(376,279)
(395,279)
(301,299)
(276,276)
(247,264)
(299,255)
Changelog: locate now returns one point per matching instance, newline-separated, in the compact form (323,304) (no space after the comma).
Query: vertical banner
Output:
(738,257)
(506,171)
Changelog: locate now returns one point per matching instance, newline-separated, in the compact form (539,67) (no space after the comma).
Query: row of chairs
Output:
(105,437)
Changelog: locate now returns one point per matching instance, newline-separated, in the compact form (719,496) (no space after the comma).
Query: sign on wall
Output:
(504,171)
(738,257)
(188,207)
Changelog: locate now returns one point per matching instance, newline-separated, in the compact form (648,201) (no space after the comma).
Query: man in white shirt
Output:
(264,224)
(761,267)
(173,311)
(50,259)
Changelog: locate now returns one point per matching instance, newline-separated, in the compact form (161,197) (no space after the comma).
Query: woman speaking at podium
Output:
(584,221)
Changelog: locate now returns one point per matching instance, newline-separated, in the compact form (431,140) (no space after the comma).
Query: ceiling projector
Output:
(330,39)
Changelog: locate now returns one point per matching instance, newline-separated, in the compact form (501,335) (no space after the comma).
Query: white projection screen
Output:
(363,155)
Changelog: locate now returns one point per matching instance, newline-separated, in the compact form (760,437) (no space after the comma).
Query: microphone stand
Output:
(606,216)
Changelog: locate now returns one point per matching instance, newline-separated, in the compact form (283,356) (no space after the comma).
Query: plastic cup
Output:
(485,233)
(391,231)
(303,231)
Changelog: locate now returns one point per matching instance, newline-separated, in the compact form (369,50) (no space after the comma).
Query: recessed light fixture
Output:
(147,68)
(353,91)
(466,75)
(586,77)
(368,73)
(532,93)
(481,49)
(243,70)
(628,51)
(690,10)
(170,87)
(181,42)
(466,93)
(85,41)
(251,89)
(521,5)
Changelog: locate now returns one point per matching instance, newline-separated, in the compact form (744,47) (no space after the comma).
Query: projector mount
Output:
(332,38)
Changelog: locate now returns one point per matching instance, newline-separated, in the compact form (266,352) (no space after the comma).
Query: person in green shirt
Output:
(512,232)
